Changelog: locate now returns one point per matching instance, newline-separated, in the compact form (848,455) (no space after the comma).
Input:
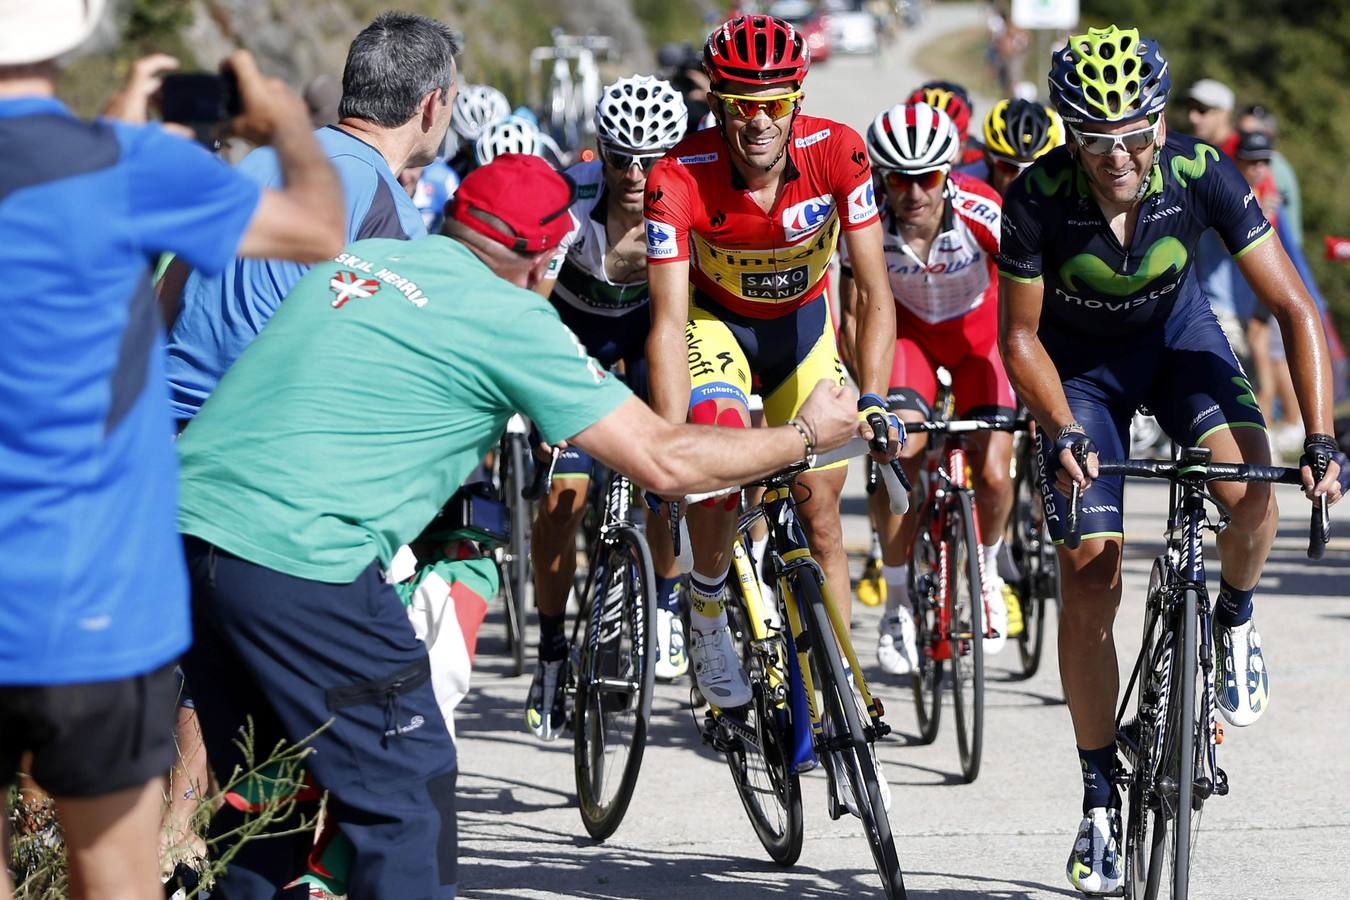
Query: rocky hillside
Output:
(298,39)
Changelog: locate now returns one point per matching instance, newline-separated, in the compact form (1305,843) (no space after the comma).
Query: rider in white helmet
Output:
(598,283)
(941,233)
(510,135)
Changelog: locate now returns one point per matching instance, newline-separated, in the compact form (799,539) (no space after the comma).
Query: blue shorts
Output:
(1185,373)
(611,340)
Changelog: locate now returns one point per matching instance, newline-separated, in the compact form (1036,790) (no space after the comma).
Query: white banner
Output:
(1055,15)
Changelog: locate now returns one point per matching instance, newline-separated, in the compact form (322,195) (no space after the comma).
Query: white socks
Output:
(897,588)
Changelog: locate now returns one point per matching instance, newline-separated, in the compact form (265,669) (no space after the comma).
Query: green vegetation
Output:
(1288,55)
(959,57)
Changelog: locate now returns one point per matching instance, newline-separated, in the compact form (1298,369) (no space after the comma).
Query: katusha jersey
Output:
(957,277)
(758,264)
(578,264)
(1054,231)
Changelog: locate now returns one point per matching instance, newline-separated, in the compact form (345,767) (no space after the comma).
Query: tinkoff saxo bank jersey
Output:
(758,264)
(1054,232)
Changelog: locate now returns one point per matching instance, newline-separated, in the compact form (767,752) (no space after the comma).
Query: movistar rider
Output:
(597,281)
(1101,312)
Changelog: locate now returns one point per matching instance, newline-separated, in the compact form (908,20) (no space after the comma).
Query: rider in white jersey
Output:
(597,281)
(940,235)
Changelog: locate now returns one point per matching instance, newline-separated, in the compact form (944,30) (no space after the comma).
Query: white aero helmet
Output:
(641,112)
(912,137)
(513,134)
(476,107)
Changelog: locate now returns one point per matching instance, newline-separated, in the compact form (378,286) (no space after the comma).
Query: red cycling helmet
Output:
(950,98)
(756,50)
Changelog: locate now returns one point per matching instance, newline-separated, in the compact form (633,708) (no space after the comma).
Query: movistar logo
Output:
(1248,396)
(1166,256)
(1193,167)
(1049,185)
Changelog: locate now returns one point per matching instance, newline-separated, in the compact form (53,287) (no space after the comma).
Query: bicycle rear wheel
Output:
(614,680)
(758,752)
(966,602)
(513,477)
(850,740)
(926,680)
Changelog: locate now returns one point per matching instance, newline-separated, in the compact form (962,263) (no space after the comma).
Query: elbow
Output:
(325,242)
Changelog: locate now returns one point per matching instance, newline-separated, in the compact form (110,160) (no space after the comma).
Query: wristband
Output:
(869,403)
(1320,440)
(1071,428)
(809,457)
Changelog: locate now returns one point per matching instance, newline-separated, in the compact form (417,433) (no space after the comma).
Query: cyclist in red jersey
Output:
(747,214)
(941,233)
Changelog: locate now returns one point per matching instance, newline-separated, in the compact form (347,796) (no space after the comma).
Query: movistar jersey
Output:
(579,262)
(1054,231)
(756,263)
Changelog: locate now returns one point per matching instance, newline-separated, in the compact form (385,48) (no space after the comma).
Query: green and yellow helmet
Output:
(1108,75)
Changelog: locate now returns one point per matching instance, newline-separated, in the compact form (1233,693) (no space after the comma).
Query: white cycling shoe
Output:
(1242,685)
(995,614)
(671,660)
(1094,866)
(896,650)
(717,668)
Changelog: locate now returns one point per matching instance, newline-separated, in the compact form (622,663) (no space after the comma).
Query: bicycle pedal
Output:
(1221,783)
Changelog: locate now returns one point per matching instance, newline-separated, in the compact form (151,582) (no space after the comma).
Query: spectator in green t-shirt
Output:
(377,387)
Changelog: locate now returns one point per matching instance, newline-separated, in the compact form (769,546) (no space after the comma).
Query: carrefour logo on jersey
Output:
(806,217)
(862,203)
(661,241)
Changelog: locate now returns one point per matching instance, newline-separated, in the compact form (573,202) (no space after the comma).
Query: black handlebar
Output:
(1190,470)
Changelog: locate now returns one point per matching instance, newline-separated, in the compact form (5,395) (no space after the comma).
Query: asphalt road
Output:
(1283,832)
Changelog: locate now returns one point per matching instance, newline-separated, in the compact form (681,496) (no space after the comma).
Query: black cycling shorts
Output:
(90,739)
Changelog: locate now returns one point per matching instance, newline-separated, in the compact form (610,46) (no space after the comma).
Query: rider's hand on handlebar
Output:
(872,411)
(1333,484)
(1070,471)
(828,413)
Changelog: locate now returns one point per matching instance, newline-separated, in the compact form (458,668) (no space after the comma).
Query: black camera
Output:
(199,98)
(473,513)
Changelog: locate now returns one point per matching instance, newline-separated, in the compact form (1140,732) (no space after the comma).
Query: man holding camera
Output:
(398,90)
(93,607)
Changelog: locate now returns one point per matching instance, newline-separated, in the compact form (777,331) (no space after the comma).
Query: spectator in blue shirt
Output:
(93,593)
(398,91)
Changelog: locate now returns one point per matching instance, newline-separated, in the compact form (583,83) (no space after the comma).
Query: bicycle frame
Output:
(944,472)
(790,555)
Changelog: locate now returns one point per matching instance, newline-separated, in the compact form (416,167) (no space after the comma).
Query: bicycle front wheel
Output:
(965,600)
(1034,557)
(758,753)
(614,680)
(926,679)
(850,741)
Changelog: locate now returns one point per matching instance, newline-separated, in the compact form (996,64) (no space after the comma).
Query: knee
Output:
(1250,506)
(995,474)
(560,514)
(1090,586)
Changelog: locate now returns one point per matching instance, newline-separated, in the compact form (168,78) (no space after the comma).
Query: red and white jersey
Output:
(959,275)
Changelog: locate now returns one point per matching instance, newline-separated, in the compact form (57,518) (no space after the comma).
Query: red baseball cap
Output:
(524,192)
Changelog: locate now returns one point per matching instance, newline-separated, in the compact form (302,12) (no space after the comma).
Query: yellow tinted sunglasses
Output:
(742,107)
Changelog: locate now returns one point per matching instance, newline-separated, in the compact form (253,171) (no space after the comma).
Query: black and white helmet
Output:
(641,112)
(476,107)
(513,134)
(912,137)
